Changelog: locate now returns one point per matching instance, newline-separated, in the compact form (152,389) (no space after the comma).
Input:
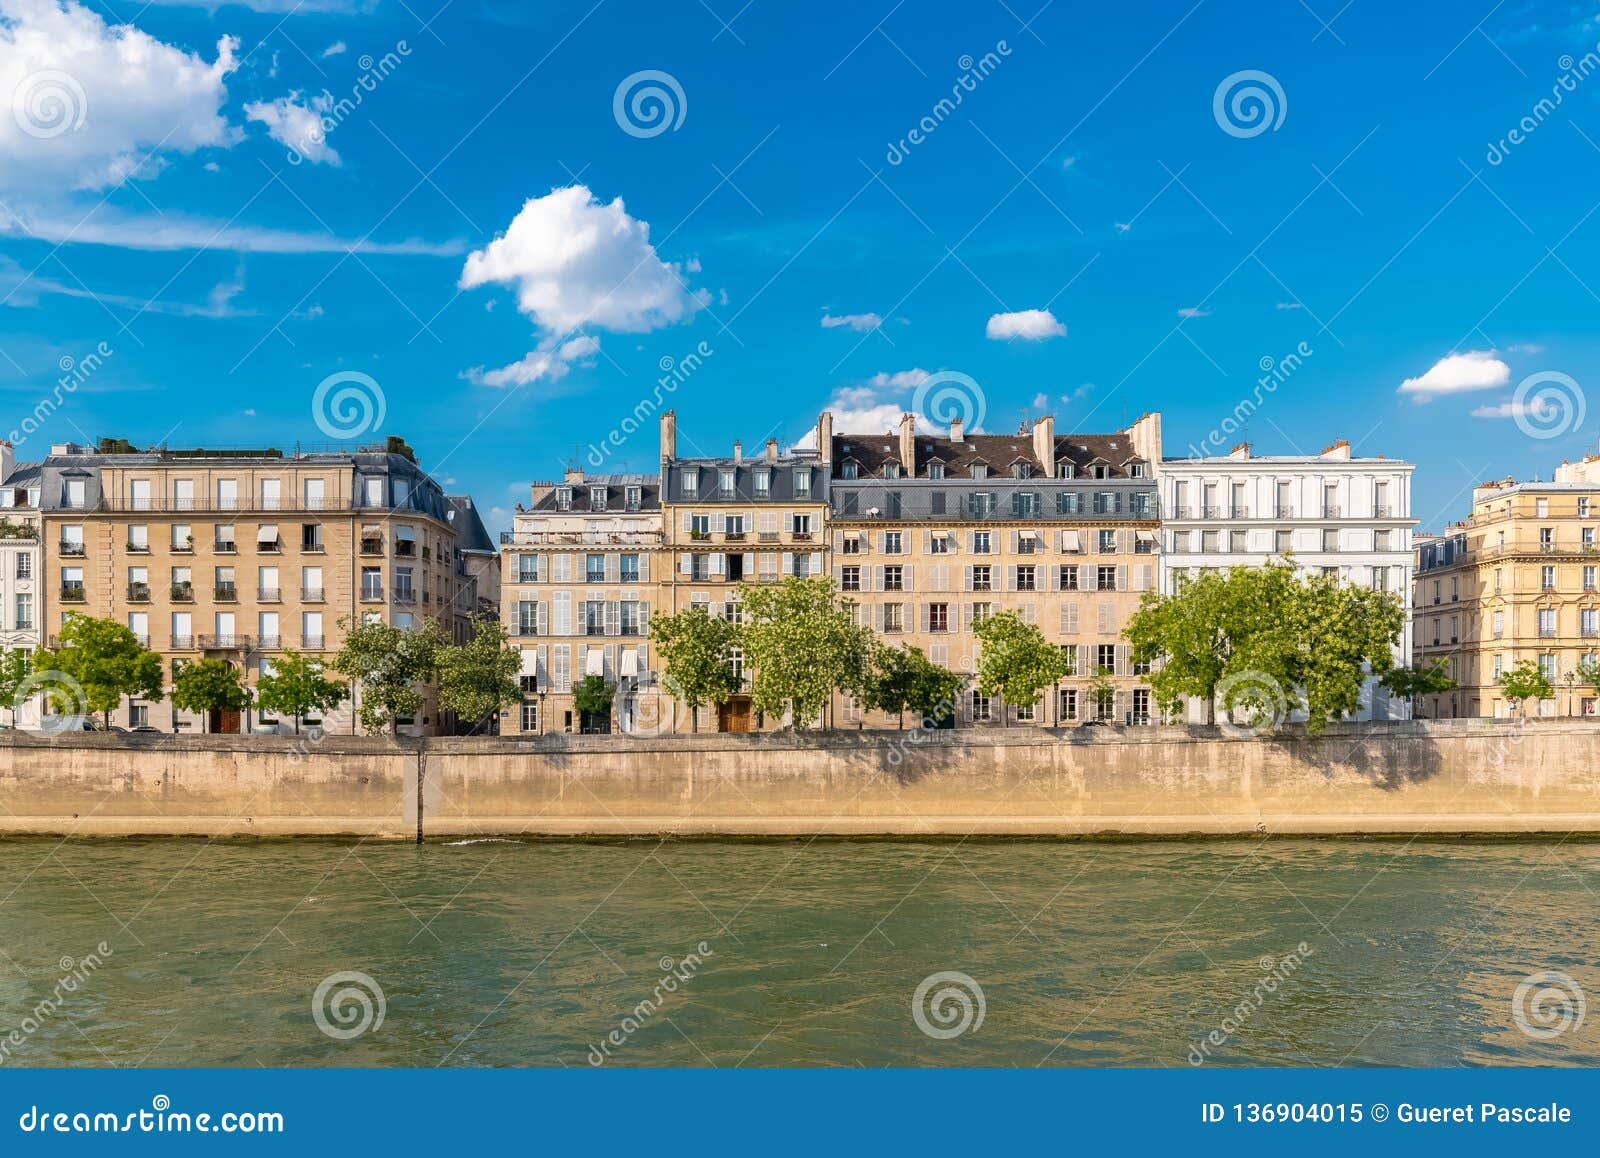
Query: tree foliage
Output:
(388,663)
(297,687)
(1017,661)
(106,660)
(1311,639)
(479,677)
(209,685)
(902,679)
(1589,674)
(593,696)
(693,646)
(1525,682)
(803,644)
(16,665)
(1424,679)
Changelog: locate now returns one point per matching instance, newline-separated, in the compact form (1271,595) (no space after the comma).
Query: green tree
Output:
(106,660)
(1589,674)
(593,697)
(1102,693)
(1412,683)
(297,687)
(479,677)
(209,685)
(16,665)
(388,663)
(1525,682)
(1017,661)
(803,644)
(693,647)
(903,678)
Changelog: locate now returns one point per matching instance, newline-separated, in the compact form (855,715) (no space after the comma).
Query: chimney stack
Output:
(825,436)
(738,451)
(1241,451)
(1044,444)
(7,459)
(669,435)
(772,450)
(908,445)
(1339,451)
(957,430)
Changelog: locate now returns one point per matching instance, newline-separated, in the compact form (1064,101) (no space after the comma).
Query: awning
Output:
(595,663)
(630,662)
(1145,536)
(267,534)
(530,662)
(405,534)
(1070,541)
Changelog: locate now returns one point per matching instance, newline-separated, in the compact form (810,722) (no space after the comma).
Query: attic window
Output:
(847,470)
(1101,470)
(1019,470)
(1136,469)
(979,470)
(936,470)
(891,470)
(1065,470)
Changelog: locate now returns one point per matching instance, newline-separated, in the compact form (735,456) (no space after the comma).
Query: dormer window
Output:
(689,482)
(635,498)
(1066,470)
(763,483)
(936,470)
(1101,470)
(802,482)
(1136,470)
(725,482)
(1019,470)
(563,498)
(597,498)
(847,470)
(979,470)
(891,470)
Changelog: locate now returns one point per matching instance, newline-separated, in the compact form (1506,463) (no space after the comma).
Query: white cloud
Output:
(337,48)
(575,262)
(1040,401)
(899,379)
(1032,325)
(548,363)
(1290,306)
(1534,408)
(94,105)
(859,322)
(1193,312)
(296,124)
(1526,348)
(876,405)
(1458,373)
(1123,226)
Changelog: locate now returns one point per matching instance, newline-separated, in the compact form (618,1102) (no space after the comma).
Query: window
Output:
(311,537)
(1499,624)
(763,483)
(313,489)
(850,578)
(632,620)
(850,545)
(227,494)
(939,544)
(594,568)
(1069,577)
(848,470)
(980,470)
(311,583)
(597,498)
(733,526)
(24,612)
(24,565)
(891,470)
(1026,580)
(629,569)
(1589,622)
(73,494)
(894,578)
(936,470)
(892,542)
(1547,623)
(527,568)
(938,617)
(1067,704)
(980,505)
(1547,665)
(980,707)
(1105,578)
(982,578)
(1541,508)
(689,482)
(1068,503)
(1588,578)
(802,526)
(563,498)
(802,482)
(980,542)
(1547,578)
(224,538)
(894,619)
(1105,503)
(371,583)
(1105,657)
(530,717)
(1283,542)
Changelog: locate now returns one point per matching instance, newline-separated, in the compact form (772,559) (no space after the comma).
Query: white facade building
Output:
(1332,512)
(21,568)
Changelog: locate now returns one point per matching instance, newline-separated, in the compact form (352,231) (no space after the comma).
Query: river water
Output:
(179,952)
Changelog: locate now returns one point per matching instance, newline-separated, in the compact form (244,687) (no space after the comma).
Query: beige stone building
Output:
(931,534)
(240,555)
(1515,581)
(578,580)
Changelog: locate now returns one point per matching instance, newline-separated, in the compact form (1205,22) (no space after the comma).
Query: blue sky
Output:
(155,207)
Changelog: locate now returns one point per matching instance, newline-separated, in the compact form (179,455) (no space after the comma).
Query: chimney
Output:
(908,445)
(1339,451)
(825,436)
(574,475)
(1240,451)
(772,450)
(669,436)
(738,451)
(1044,444)
(1145,435)
(957,430)
(7,460)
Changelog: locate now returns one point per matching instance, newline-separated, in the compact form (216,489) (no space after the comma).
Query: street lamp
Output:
(1571,680)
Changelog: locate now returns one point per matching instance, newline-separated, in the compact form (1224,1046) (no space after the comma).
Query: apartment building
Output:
(477,567)
(21,564)
(929,535)
(578,580)
(1515,581)
(241,554)
(733,519)
(1333,513)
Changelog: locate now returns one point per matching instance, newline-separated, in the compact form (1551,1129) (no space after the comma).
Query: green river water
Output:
(501,953)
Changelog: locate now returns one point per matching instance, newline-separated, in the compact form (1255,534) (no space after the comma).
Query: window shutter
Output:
(968,615)
(907,574)
(838,578)
(1030,613)
(749,564)
(1122,659)
(1011,578)
(814,566)
(927,617)
(788,523)
(875,583)
(719,564)
(1085,577)
(967,581)
(788,562)
(613,618)
(941,577)
(644,567)
(719,523)
(1122,577)
(541,622)
(685,563)
(688,521)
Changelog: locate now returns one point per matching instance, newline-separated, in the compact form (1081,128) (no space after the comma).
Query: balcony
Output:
(1211,512)
(183,592)
(184,548)
(312,547)
(182,642)
(138,548)
(138,593)
(733,537)
(371,546)
(269,643)
(224,642)
(1383,511)
(269,546)
(269,595)
(225,547)
(629,577)
(801,536)
(311,595)
(405,594)
(72,593)
(768,537)
(71,548)
(226,592)
(311,642)
(370,594)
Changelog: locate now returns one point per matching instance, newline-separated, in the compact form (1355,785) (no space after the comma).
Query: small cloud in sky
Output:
(1040,401)
(337,48)
(1290,306)
(1030,325)
(1526,348)
(1123,226)
(1457,374)
(1193,312)
(858,322)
